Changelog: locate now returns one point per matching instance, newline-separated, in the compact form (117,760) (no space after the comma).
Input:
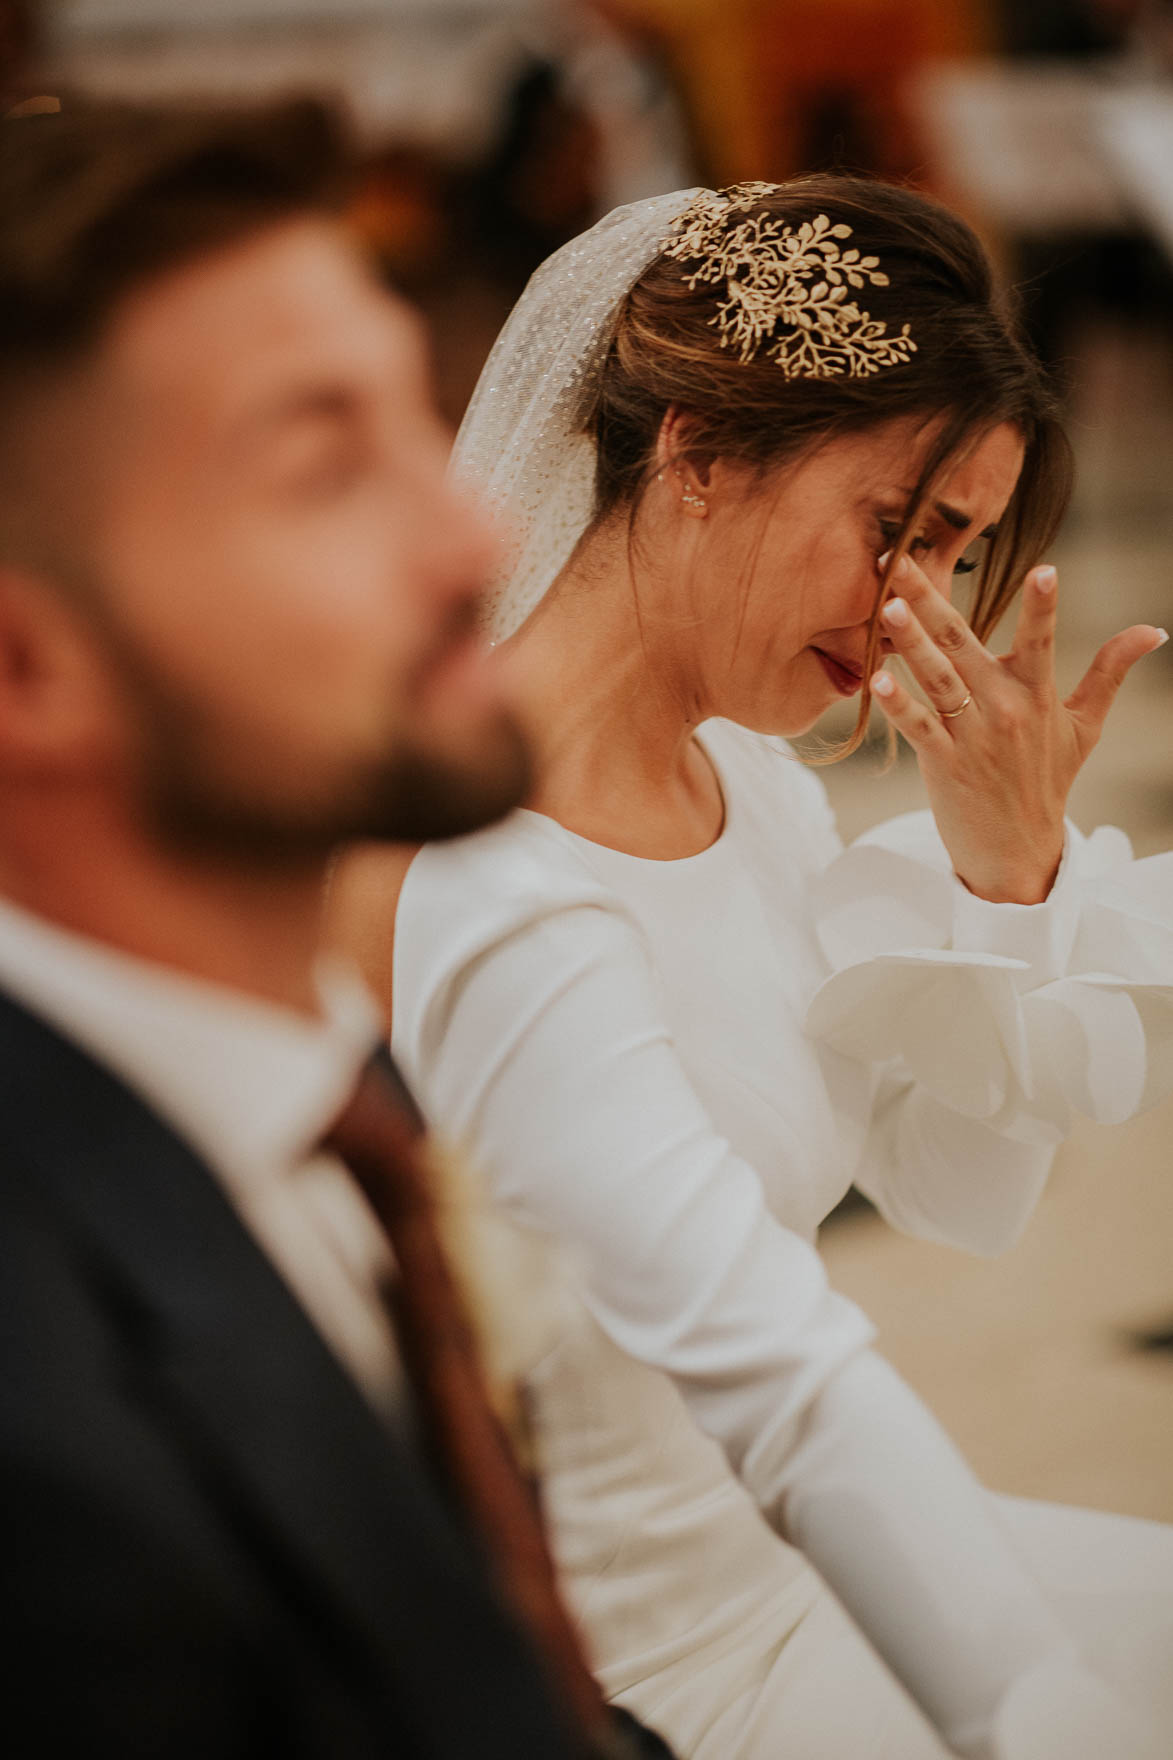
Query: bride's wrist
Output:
(1020,885)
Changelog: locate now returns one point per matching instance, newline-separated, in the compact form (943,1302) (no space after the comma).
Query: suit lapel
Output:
(277,1431)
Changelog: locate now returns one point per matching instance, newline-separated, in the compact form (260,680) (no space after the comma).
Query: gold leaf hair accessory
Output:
(794,279)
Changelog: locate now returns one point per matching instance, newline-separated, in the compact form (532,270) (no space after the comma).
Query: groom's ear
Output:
(59,711)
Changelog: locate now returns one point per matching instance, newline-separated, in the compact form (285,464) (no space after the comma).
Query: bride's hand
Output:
(998,770)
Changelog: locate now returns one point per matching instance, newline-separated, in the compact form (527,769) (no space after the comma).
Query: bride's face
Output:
(786,571)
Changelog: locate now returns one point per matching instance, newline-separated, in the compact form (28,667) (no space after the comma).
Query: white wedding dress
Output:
(678,1067)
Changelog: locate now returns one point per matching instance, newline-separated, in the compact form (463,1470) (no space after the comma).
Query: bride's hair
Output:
(970,372)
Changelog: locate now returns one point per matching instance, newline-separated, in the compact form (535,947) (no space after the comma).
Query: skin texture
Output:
(998,774)
(738,589)
(240,620)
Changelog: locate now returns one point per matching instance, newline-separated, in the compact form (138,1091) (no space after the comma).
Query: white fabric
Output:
(522,446)
(621,1044)
(1074,1016)
(253,1088)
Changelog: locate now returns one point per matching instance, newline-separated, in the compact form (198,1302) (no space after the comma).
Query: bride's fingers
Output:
(1096,691)
(933,671)
(941,623)
(920,727)
(1032,656)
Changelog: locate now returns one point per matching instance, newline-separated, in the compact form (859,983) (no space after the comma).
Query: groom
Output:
(237,609)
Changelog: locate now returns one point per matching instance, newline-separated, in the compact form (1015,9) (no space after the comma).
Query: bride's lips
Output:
(845,678)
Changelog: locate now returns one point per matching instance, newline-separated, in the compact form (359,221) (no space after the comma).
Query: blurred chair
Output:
(836,74)
(710,48)
(775,87)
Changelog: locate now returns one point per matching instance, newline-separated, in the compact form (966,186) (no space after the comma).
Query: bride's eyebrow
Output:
(960,522)
(954,517)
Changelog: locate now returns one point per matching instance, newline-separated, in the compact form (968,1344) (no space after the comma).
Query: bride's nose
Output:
(940,575)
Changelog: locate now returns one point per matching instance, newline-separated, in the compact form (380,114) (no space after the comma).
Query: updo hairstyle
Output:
(971,371)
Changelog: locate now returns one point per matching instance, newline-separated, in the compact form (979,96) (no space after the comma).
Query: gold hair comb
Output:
(798,279)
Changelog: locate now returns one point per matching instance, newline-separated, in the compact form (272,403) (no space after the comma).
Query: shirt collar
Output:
(252,1086)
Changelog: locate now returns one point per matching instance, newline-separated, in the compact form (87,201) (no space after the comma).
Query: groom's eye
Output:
(327,472)
(319,462)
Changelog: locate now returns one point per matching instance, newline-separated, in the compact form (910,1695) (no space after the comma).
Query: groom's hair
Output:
(100,198)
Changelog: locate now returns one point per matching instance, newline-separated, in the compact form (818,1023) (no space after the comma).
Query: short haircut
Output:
(98,198)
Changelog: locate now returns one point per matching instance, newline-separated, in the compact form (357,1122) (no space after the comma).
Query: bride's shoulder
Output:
(525,866)
(518,895)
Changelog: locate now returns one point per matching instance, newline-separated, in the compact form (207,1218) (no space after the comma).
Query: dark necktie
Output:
(378,1137)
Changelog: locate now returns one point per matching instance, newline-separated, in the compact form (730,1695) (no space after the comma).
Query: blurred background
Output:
(496,129)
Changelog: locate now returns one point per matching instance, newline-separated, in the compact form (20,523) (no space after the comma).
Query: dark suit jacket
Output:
(212,1546)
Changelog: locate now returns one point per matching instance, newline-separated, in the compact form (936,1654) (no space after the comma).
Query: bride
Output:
(742,443)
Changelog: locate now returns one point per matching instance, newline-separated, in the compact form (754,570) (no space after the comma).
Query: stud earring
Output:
(695,503)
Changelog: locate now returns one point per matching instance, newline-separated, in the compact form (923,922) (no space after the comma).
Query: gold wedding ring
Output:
(952,714)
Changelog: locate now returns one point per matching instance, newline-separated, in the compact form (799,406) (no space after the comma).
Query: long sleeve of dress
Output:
(534,1033)
(991,1026)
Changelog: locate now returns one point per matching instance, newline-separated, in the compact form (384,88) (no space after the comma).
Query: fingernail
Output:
(1162,638)
(883,685)
(895,613)
(1045,579)
(882,561)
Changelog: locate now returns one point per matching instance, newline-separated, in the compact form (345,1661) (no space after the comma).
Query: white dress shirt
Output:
(252,1087)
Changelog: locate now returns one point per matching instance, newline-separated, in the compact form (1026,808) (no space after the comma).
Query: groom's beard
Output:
(410,796)
(199,797)
(418,797)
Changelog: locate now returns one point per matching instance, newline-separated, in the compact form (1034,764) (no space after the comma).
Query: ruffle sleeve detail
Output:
(1020,1016)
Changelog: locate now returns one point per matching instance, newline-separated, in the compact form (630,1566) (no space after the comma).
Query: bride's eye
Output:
(889,533)
(971,557)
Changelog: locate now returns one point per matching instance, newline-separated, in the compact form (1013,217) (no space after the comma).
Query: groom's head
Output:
(237,598)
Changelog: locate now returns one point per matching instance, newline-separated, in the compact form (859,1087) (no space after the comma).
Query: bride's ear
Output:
(676,447)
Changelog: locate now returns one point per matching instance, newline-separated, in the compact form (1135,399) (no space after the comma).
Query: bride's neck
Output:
(609,705)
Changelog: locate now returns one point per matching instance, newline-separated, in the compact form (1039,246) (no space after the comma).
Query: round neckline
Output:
(700,855)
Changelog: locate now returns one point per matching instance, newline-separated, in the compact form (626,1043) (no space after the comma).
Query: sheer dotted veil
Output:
(521,447)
